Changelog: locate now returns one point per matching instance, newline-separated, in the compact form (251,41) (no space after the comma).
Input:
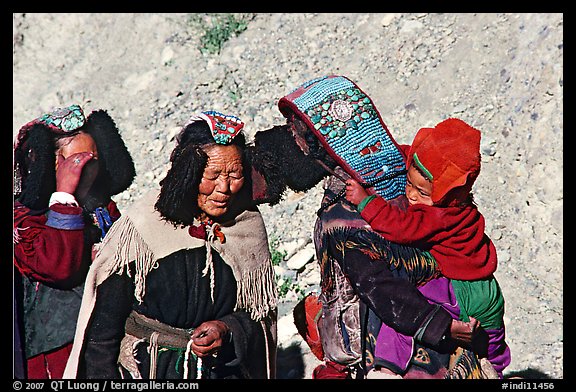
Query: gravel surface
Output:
(502,73)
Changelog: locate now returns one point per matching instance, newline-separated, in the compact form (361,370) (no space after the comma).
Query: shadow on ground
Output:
(290,363)
(529,373)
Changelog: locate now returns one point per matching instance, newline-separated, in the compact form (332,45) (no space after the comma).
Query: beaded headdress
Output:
(224,127)
(60,121)
(350,128)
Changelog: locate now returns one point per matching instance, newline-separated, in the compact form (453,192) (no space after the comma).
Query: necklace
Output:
(206,226)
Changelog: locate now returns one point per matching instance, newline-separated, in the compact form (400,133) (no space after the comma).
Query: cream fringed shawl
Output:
(143,237)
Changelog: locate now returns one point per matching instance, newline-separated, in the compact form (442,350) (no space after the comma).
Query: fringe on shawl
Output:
(256,288)
(257,291)
(129,246)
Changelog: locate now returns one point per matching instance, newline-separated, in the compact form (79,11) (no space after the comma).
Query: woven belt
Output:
(158,334)
(143,327)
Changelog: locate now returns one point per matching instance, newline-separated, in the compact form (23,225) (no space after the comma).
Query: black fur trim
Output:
(116,164)
(35,157)
(263,159)
(179,189)
(277,157)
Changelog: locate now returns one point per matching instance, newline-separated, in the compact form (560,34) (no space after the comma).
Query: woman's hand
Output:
(355,193)
(69,170)
(209,337)
(463,333)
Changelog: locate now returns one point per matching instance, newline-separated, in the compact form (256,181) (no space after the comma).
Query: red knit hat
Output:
(448,154)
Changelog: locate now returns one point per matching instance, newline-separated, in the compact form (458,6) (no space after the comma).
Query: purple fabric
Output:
(439,291)
(396,348)
(498,351)
(58,220)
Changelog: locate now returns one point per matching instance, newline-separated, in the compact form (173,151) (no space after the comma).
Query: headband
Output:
(224,127)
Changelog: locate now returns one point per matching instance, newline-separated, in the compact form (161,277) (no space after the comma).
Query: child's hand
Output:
(355,193)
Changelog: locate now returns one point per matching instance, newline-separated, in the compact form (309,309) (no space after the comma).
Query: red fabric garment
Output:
(49,365)
(331,370)
(49,255)
(454,235)
(307,315)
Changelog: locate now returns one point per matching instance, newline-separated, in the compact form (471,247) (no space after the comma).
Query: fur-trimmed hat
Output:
(35,148)
(449,156)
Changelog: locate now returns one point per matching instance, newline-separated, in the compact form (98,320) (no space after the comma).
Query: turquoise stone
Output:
(316,118)
(365,115)
(75,122)
(325,130)
(325,106)
(333,133)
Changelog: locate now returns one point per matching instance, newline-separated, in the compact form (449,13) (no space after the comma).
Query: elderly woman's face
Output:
(222,179)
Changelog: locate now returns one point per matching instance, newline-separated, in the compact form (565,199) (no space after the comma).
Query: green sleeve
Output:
(364,202)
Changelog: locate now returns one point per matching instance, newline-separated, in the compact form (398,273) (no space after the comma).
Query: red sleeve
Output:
(113,210)
(417,226)
(49,255)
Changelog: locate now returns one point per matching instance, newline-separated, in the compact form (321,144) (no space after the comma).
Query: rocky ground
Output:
(502,73)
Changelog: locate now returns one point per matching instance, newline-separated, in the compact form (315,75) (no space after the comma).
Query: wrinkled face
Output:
(418,188)
(82,142)
(222,179)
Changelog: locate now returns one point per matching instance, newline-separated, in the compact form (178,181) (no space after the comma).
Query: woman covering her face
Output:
(67,167)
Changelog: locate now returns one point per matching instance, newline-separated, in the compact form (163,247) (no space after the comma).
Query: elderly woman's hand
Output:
(208,337)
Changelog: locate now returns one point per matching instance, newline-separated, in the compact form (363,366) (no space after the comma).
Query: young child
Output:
(443,162)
